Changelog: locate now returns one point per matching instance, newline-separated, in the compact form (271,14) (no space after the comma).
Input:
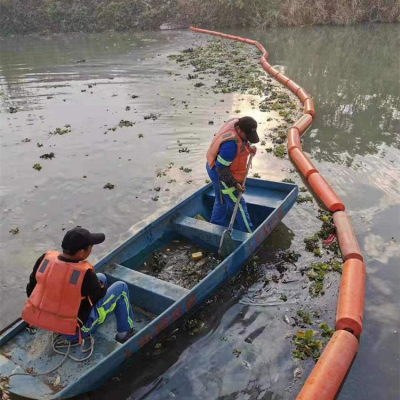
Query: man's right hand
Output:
(239,188)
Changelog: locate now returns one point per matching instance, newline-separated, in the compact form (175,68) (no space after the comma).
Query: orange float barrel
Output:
(260,47)
(302,95)
(272,71)
(351,297)
(282,78)
(309,107)
(328,374)
(325,193)
(303,123)
(347,239)
(304,165)
(293,140)
(293,86)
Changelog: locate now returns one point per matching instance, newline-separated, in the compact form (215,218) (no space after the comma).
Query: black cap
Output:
(79,238)
(249,126)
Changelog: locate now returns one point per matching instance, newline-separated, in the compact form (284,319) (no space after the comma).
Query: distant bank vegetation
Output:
(55,16)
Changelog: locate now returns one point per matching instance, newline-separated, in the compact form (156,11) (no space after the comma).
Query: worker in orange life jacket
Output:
(66,296)
(226,165)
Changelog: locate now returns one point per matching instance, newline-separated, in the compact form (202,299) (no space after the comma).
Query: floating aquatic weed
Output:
(276,106)
(39,144)
(305,317)
(184,150)
(311,243)
(207,181)
(236,352)
(62,131)
(140,135)
(14,231)
(302,189)
(157,189)
(288,180)
(304,199)
(326,331)
(280,151)
(37,167)
(306,346)
(26,140)
(13,110)
(126,123)
(48,156)
(290,256)
(155,198)
(187,170)
(151,116)
(256,175)
(263,143)
(109,186)
(283,297)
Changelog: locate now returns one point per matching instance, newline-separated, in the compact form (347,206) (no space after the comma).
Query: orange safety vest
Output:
(55,301)
(238,166)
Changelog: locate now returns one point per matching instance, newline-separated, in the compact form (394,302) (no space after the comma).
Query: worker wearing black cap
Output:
(227,159)
(66,296)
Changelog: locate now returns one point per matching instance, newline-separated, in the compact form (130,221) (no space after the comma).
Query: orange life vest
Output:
(55,301)
(238,166)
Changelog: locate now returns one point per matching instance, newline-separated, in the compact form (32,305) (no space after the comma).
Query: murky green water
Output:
(352,74)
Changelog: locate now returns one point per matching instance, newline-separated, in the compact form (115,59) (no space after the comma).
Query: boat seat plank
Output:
(147,292)
(204,232)
(258,196)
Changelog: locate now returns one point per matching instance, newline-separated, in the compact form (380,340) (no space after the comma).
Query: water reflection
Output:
(352,75)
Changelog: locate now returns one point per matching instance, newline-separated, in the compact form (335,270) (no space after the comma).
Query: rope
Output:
(58,343)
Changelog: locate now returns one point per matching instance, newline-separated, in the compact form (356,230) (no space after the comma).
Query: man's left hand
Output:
(253,149)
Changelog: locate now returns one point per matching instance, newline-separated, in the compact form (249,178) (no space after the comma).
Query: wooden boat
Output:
(162,303)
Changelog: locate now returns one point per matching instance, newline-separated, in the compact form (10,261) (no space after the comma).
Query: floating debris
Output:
(62,131)
(134,96)
(48,156)
(13,110)
(184,150)
(127,108)
(187,170)
(152,116)
(288,180)
(236,352)
(304,199)
(125,123)
(26,140)
(109,186)
(81,61)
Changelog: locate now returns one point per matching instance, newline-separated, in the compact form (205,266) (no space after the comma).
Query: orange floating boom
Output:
(328,374)
(302,95)
(351,297)
(303,123)
(293,86)
(304,165)
(347,239)
(309,107)
(325,193)
(293,140)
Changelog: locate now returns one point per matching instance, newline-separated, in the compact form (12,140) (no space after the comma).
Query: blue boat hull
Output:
(268,202)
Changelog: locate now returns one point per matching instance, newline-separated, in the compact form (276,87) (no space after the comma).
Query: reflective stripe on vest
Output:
(239,165)
(54,303)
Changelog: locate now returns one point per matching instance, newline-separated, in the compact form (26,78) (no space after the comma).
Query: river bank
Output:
(19,17)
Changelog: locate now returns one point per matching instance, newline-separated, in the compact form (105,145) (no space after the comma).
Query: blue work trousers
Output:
(116,300)
(225,200)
